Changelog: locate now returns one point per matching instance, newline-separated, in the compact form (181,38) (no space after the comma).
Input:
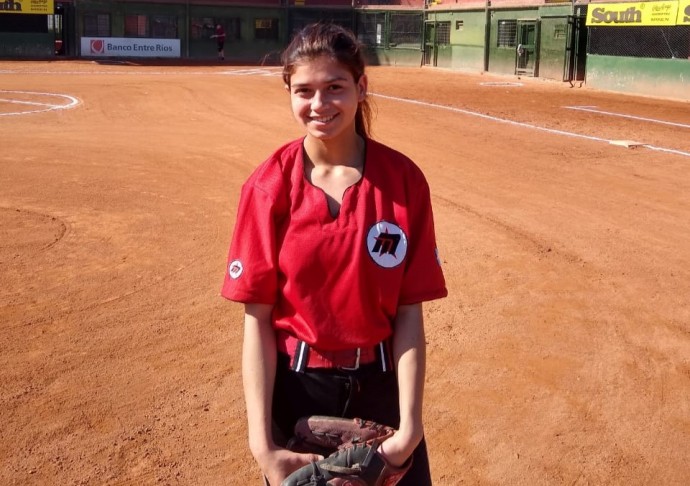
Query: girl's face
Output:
(325,98)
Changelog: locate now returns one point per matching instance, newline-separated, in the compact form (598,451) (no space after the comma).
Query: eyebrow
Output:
(328,81)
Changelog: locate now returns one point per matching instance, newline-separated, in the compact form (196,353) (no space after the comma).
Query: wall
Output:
(553,38)
(396,56)
(467,31)
(469,54)
(656,77)
(502,59)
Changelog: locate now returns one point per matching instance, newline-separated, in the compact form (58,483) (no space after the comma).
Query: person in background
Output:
(219,35)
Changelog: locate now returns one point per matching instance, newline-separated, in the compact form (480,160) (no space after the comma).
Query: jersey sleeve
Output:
(423,279)
(251,271)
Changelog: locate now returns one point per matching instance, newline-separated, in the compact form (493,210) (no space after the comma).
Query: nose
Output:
(318,100)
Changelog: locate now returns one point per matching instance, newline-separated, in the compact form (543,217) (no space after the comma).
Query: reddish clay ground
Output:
(561,356)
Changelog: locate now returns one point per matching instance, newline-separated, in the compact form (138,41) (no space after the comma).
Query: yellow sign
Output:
(632,14)
(683,12)
(45,7)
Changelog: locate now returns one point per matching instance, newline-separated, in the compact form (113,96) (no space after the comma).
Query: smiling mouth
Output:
(322,119)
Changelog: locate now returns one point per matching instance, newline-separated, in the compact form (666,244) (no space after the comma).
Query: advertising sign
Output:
(129,47)
(683,12)
(632,14)
(45,7)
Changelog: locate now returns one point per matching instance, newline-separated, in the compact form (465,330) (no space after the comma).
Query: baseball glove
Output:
(355,465)
(324,435)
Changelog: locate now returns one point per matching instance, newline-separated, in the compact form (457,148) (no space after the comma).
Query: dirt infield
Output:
(561,356)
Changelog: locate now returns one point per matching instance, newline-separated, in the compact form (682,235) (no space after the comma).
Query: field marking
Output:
(254,72)
(18,102)
(72,102)
(492,118)
(522,124)
(277,72)
(667,150)
(500,83)
(593,109)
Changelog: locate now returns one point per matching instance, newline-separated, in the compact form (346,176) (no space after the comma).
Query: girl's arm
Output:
(258,377)
(409,353)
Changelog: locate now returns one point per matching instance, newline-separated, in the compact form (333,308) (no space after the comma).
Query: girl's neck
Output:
(344,151)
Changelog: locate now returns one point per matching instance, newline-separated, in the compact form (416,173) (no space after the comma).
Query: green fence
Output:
(668,78)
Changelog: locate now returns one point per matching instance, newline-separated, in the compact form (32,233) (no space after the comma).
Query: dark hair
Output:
(339,43)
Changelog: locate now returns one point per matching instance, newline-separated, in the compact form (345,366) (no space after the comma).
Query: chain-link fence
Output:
(655,42)
(371,28)
(301,18)
(390,29)
(406,29)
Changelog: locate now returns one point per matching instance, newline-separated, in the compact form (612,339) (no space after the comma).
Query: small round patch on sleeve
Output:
(387,244)
(235,269)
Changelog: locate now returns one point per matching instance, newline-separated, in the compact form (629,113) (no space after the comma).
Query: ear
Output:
(362,86)
(287,88)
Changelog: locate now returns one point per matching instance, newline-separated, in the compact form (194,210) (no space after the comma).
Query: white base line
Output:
(520,124)
(592,109)
(48,107)
(670,151)
(18,102)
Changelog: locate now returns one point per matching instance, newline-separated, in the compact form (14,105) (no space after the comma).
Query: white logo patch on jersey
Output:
(235,269)
(387,244)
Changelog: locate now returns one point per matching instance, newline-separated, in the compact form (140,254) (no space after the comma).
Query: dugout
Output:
(527,38)
(34,30)
(256,31)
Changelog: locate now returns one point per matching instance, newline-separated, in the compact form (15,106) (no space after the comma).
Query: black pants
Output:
(367,393)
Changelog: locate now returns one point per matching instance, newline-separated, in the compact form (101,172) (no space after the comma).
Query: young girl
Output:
(333,254)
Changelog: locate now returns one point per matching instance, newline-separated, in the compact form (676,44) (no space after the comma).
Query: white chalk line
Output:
(72,102)
(266,72)
(18,102)
(521,124)
(670,151)
(253,72)
(593,109)
(501,84)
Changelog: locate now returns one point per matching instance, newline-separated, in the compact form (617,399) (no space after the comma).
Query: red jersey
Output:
(335,282)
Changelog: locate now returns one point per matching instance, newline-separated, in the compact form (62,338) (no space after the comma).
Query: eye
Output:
(335,87)
(301,91)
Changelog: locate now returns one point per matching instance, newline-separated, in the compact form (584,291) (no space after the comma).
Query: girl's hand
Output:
(278,464)
(398,448)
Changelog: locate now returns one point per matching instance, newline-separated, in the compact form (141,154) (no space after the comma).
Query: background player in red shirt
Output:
(220,41)
(333,254)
